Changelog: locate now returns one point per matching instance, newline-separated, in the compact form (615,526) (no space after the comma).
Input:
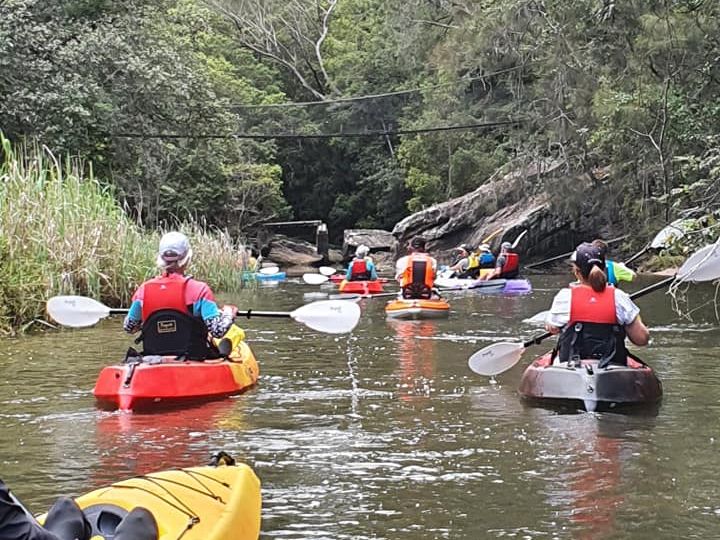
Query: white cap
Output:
(174,250)
(362,250)
(484,247)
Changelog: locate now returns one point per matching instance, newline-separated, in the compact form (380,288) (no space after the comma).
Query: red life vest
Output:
(511,266)
(587,305)
(164,292)
(359,270)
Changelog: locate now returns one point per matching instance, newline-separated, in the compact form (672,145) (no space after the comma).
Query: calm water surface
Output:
(386,433)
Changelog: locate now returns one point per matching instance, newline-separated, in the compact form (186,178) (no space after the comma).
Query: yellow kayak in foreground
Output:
(197,503)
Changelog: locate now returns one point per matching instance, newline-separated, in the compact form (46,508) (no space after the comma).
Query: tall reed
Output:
(62,232)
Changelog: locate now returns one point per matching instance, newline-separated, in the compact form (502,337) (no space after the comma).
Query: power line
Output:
(373,96)
(269,136)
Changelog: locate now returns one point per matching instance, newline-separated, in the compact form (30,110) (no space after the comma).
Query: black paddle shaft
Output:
(642,292)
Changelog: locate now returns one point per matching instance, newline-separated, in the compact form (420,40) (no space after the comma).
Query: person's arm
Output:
(622,272)
(217,322)
(400,268)
(133,319)
(628,314)
(348,272)
(373,270)
(559,314)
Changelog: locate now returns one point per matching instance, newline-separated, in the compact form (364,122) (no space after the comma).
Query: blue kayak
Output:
(277,276)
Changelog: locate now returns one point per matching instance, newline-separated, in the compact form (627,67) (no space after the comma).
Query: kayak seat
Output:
(66,521)
(115,523)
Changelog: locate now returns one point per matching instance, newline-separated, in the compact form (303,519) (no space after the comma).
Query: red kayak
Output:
(337,278)
(361,287)
(154,379)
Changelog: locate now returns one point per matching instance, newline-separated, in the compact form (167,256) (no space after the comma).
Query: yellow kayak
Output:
(197,503)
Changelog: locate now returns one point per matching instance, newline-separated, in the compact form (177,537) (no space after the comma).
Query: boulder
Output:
(507,206)
(289,252)
(375,239)
(335,256)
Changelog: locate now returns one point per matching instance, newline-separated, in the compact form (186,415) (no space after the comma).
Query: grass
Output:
(62,232)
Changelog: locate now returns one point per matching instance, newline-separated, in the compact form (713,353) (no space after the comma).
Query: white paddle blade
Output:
(329,316)
(314,279)
(327,270)
(668,235)
(517,240)
(76,311)
(269,270)
(703,265)
(495,359)
(537,319)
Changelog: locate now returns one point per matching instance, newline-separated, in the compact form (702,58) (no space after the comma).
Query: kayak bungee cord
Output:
(207,493)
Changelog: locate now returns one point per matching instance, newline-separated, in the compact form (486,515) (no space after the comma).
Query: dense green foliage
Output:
(61,232)
(625,96)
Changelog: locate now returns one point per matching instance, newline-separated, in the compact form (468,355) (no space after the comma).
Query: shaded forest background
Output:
(220,110)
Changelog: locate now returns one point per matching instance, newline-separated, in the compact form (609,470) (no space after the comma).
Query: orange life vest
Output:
(164,292)
(511,266)
(418,274)
(359,270)
(586,305)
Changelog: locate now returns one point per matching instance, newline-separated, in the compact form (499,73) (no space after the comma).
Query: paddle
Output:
(327,270)
(492,235)
(494,359)
(269,270)
(661,239)
(517,240)
(566,255)
(314,279)
(329,316)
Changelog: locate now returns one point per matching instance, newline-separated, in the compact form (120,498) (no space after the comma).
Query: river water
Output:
(386,433)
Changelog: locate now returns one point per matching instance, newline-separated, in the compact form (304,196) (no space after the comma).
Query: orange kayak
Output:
(154,381)
(417,309)
(361,287)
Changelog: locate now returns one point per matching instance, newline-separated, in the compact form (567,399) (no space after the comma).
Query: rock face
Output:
(290,252)
(375,239)
(505,205)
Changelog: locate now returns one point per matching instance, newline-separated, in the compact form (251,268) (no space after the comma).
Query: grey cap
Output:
(362,250)
(174,250)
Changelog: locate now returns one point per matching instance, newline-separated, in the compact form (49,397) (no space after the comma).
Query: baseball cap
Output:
(586,256)
(362,250)
(484,247)
(174,250)
(465,247)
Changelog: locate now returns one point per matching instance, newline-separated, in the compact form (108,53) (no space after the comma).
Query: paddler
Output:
(362,267)
(176,313)
(594,318)
(66,521)
(507,264)
(614,270)
(461,266)
(416,272)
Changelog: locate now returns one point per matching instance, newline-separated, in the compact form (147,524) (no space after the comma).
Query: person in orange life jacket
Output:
(615,271)
(593,317)
(416,271)
(361,268)
(176,312)
(507,264)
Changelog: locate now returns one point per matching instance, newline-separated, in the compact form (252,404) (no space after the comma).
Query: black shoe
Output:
(67,521)
(139,524)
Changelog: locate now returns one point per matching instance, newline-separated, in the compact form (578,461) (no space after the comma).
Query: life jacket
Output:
(487,260)
(593,330)
(610,272)
(169,328)
(418,278)
(359,270)
(512,265)
(473,261)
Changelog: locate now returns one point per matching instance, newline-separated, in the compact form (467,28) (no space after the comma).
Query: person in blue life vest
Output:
(616,271)
(177,314)
(362,267)
(507,264)
(485,258)
(593,317)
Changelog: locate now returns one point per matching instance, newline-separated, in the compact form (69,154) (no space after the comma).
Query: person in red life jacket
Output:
(594,318)
(178,314)
(361,268)
(507,264)
(416,272)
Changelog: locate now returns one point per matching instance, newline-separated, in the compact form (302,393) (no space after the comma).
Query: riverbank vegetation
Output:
(61,232)
(190,107)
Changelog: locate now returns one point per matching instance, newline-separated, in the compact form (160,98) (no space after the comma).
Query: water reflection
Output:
(416,358)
